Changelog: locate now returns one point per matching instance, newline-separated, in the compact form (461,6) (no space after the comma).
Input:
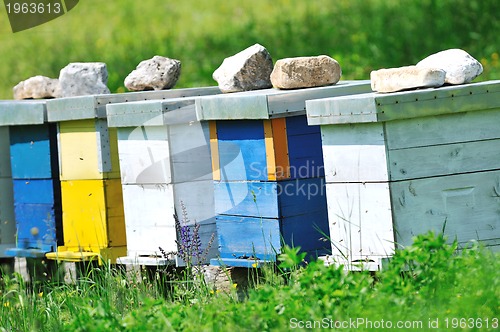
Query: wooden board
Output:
(92,214)
(149,219)
(36,226)
(144,155)
(354,153)
(7,220)
(79,150)
(5,170)
(467,203)
(301,197)
(308,231)
(262,237)
(40,191)
(446,159)
(254,199)
(360,218)
(189,149)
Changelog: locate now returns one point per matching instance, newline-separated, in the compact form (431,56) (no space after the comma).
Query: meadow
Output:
(360,35)
(426,286)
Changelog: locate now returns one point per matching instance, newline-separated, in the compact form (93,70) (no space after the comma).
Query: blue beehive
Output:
(35,176)
(268,172)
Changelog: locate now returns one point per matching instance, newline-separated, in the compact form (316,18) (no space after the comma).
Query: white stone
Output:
(404,78)
(460,66)
(84,78)
(37,87)
(305,72)
(157,73)
(249,69)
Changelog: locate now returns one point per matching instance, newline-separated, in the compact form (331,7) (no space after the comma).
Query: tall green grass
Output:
(361,34)
(428,282)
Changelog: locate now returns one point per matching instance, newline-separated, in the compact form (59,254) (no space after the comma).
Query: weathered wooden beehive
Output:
(35,174)
(91,189)
(401,164)
(165,166)
(268,172)
(7,220)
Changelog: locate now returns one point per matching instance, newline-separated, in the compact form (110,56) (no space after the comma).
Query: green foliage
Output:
(428,280)
(361,35)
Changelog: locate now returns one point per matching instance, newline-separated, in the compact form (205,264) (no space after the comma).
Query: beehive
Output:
(35,178)
(268,172)
(398,165)
(92,198)
(7,220)
(165,170)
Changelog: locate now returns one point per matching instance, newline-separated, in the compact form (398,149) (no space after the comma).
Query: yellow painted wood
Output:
(270,150)
(78,151)
(104,255)
(214,150)
(93,219)
(281,148)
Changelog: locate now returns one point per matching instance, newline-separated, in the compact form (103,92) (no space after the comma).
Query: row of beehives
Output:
(102,175)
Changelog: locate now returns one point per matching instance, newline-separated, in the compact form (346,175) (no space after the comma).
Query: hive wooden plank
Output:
(447,159)
(144,155)
(301,197)
(354,153)
(34,191)
(262,237)
(7,220)
(189,149)
(149,210)
(36,226)
(22,112)
(442,129)
(33,143)
(464,205)
(360,218)
(5,168)
(115,213)
(308,231)
(254,199)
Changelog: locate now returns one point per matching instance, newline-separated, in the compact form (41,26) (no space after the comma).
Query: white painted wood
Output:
(22,112)
(360,220)
(447,159)
(149,221)
(144,155)
(5,168)
(189,145)
(468,203)
(442,129)
(354,153)
(7,220)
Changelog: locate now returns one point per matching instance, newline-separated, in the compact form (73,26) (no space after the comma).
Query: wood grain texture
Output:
(144,155)
(464,205)
(354,153)
(262,237)
(360,218)
(254,199)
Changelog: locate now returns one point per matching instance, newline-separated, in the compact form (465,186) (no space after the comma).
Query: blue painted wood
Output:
(297,125)
(33,151)
(34,191)
(246,237)
(309,231)
(302,197)
(36,226)
(306,156)
(247,263)
(240,130)
(242,160)
(253,199)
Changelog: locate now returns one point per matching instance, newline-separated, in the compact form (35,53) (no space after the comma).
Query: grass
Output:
(426,283)
(361,35)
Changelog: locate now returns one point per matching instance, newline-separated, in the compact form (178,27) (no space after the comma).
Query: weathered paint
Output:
(398,165)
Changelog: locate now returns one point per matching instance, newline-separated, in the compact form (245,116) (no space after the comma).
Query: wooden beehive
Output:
(165,170)
(90,173)
(7,220)
(34,165)
(398,165)
(268,172)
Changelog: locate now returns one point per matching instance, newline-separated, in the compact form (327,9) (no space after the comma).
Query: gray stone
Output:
(37,87)
(84,78)
(157,73)
(247,70)
(305,72)
(404,78)
(460,66)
